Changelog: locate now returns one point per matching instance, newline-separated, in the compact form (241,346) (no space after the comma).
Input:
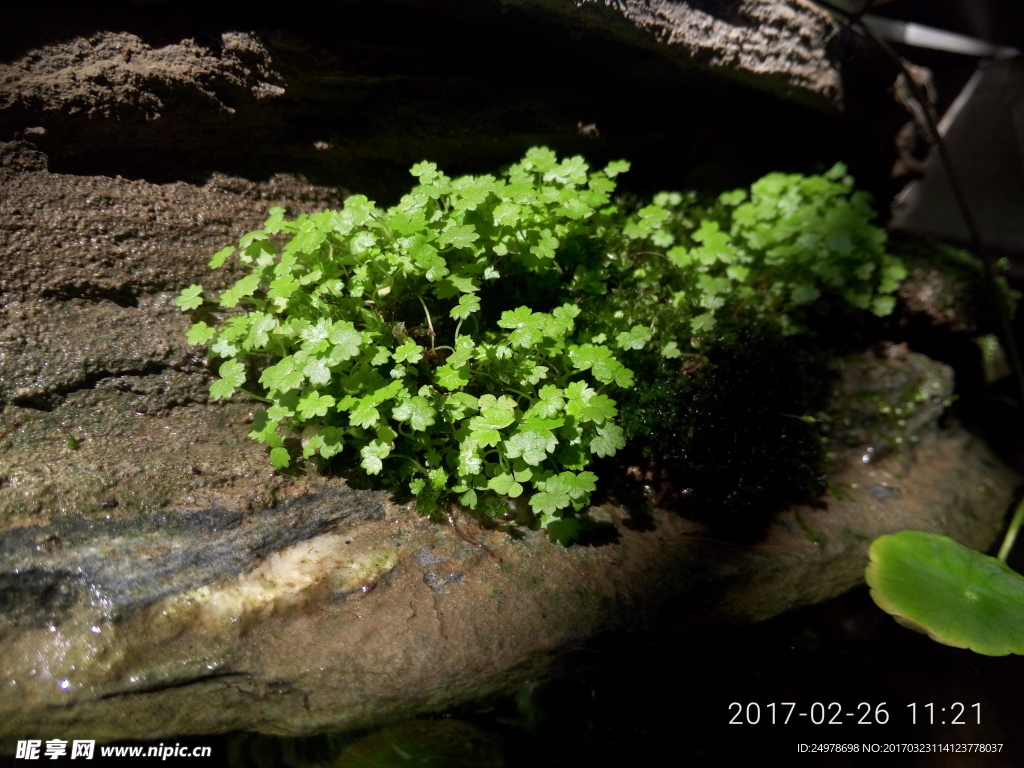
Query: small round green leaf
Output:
(957,595)
(280,458)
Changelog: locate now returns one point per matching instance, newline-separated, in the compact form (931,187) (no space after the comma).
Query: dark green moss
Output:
(731,438)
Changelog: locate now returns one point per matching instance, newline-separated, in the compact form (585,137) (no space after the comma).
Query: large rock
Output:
(160,579)
(157,577)
(355,93)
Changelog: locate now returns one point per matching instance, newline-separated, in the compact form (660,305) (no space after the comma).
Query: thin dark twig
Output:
(973,232)
(466,538)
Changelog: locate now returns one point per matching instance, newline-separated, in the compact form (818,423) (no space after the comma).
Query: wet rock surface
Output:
(157,576)
(239,598)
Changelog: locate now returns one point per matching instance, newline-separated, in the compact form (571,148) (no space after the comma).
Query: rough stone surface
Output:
(92,263)
(162,566)
(354,99)
(777,45)
(111,238)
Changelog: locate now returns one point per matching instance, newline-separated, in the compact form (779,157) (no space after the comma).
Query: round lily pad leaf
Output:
(957,595)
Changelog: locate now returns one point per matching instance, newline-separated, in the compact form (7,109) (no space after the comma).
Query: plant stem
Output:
(254,396)
(430,324)
(1003,312)
(1011,533)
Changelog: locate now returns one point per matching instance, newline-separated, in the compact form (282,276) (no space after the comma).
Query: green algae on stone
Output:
(897,394)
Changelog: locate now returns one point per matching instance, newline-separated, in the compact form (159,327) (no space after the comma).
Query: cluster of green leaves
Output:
(474,333)
(366,333)
(791,248)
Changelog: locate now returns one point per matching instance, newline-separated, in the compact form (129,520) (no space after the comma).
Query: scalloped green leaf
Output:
(200,333)
(189,298)
(232,376)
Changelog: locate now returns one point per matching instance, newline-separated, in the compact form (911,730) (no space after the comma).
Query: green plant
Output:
(791,249)
(956,595)
(473,335)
